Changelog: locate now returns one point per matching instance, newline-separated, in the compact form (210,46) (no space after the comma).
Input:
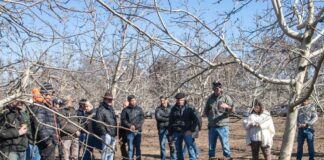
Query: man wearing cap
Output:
(107,131)
(217,109)
(307,116)
(162,113)
(133,118)
(182,124)
(44,122)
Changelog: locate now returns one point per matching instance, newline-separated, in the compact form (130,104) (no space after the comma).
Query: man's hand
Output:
(132,128)
(225,106)
(77,133)
(254,125)
(22,130)
(188,133)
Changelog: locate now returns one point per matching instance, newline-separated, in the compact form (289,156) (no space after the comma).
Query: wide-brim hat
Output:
(108,95)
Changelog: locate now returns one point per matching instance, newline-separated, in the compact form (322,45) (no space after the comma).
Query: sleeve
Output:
(159,117)
(298,117)
(100,117)
(141,119)
(124,121)
(229,101)
(246,123)
(314,116)
(195,121)
(272,128)
(199,119)
(9,133)
(207,108)
(171,121)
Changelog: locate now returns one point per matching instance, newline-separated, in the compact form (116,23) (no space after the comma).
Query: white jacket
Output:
(266,127)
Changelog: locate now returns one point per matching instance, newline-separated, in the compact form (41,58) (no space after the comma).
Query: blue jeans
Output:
(108,151)
(195,147)
(32,153)
(222,133)
(93,143)
(164,138)
(179,138)
(308,134)
(134,140)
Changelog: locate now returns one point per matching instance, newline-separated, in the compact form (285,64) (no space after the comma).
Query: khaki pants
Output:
(71,149)
(255,146)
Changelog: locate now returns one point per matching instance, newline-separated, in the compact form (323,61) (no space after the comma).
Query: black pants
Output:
(123,147)
(47,152)
(256,146)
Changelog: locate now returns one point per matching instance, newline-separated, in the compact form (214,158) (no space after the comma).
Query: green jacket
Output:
(218,117)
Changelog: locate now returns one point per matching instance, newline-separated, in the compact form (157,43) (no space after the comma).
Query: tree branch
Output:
(282,22)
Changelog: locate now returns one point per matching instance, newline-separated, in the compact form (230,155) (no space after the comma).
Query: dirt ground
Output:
(239,149)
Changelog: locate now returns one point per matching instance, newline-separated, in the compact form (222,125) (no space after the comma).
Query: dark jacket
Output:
(183,119)
(88,123)
(122,134)
(81,114)
(162,116)
(198,128)
(68,128)
(133,116)
(45,135)
(218,117)
(106,114)
(10,141)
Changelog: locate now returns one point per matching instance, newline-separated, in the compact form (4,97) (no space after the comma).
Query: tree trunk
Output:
(291,121)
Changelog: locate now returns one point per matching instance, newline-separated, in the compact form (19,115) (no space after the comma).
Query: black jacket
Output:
(132,116)
(10,141)
(198,128)
(162,116)
(67,126)
(183,119)
(106,114)
(88,122)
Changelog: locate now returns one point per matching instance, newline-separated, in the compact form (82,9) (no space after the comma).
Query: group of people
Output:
(182,122)
(51,128)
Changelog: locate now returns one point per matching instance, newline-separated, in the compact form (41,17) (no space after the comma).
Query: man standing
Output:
(162,113)
(217,109)
(133,118)
(108,130)
(182,123)
(70,141)
(307,116)
(122,135)
(13,133)
(92,142)
(45,123)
